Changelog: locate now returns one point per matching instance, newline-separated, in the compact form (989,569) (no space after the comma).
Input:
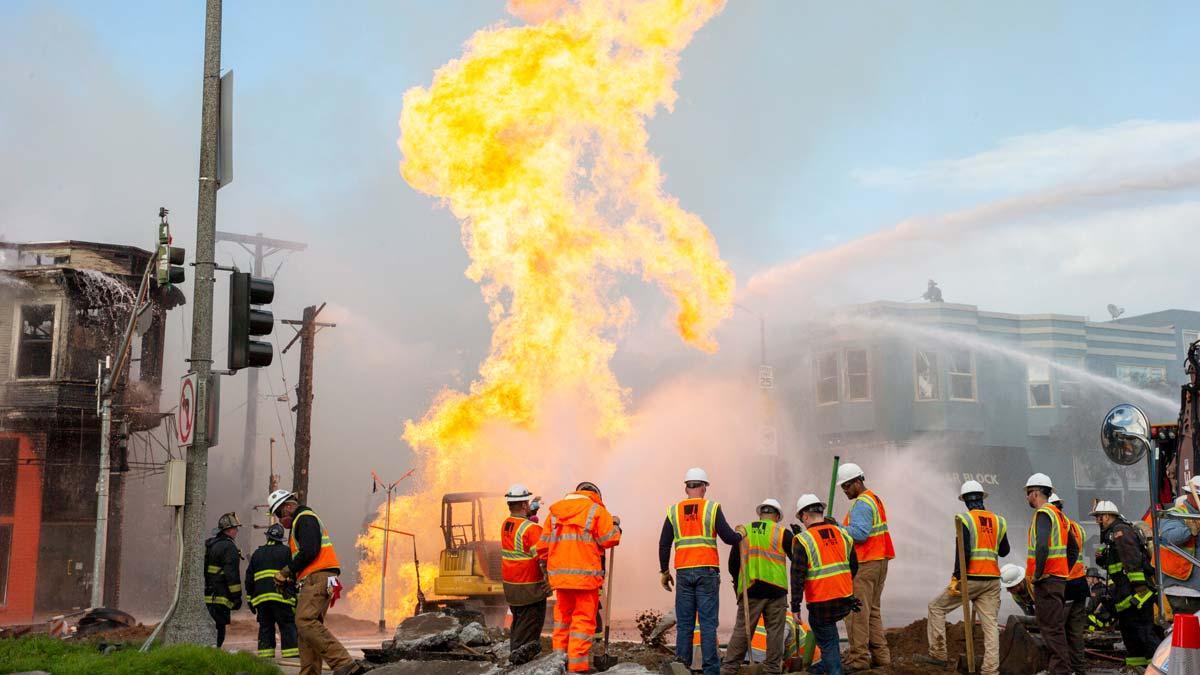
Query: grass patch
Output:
(71,658)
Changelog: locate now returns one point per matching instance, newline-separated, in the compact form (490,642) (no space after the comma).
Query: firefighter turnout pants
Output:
(575,625)
(1138,633)
(273,614)
(316,642)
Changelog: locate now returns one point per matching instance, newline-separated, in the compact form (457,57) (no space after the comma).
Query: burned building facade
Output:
(64,307)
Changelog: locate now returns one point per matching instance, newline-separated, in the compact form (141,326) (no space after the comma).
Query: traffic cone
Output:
(1185,646)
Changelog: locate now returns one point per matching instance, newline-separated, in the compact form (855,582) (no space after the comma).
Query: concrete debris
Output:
(473,635)
(500,651)
(436,668)
(427,632)
(550,664)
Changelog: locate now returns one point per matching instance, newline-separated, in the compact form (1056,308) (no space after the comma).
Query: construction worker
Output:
(798,644)
(984,541)
(222,581)
(314,567)
(867,524)
(525,587)
(1046,571)
(1122,552)
(824,564)
(266,602)
(1177,571)
(578,531)
(692,527)
(761,582)
(1077,593)
(1012,578)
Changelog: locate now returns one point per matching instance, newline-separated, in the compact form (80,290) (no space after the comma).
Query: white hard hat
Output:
(277,498)
(518,493)
(848,472)
(1104,506)
(806,501)
(1054,498)
(773,503)
(971,487)
(1039,480)
(1011,575)
(1192,484)
(695,475)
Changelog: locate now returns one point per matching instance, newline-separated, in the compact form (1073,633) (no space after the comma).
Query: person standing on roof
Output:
(1077,593)
(824,565)
(692,526)
(762,580)
(222,580)
(525,587)
(867,524)
(1046,570)
(266,602)
(578,532)
(985,541)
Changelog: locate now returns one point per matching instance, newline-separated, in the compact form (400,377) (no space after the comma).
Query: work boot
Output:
(525,653)
(930,661)
(353,668)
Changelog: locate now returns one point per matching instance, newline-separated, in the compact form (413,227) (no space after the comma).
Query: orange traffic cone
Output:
(1185,646)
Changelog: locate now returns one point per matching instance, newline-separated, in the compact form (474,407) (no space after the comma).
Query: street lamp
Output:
(376,483)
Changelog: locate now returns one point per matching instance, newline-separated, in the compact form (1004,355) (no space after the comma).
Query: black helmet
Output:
(275,532)
(227,521)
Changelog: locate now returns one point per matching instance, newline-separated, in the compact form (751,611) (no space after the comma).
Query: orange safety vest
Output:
(1173,564)
(326,558)
(1075,531)
(579,531)
(793,643)
(1056,559)
(878,545)
(828,550)
(986,529)
(694,522)
(518,551)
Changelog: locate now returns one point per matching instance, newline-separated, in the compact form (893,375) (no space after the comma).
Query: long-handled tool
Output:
(605,661)
(964,592)
(837,460)
(744,581)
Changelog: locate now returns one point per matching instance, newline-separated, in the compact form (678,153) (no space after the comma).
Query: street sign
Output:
(766,377)
(225,132)
(185,418)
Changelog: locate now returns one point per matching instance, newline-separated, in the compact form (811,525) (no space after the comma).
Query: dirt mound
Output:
(137,633)
(912,640)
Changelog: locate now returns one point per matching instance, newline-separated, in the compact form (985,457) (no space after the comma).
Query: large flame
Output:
(536,140)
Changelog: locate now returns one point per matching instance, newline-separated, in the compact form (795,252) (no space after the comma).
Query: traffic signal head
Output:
(247,322)
(169,258)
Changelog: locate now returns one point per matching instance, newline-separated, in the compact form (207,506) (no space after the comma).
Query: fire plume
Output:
(536,141)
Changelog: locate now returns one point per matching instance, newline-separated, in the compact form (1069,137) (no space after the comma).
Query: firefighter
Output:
(1077,593)
(266,602)
(985,541)
(762,582)
(1046,570)
(692,526)
(525,587)
(866,522)
(222,581)
(576,535)
(824,565)
(1177,571)
(1100,616)
(314,568)
(1122,552)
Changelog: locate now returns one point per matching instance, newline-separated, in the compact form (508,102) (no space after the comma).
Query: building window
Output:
(827,378)
(1038,375)
(35,347)
(1068,381)
(926,369)
(961,374)
(858,376)
(1142,376)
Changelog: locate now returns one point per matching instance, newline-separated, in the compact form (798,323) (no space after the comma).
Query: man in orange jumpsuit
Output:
(576,535)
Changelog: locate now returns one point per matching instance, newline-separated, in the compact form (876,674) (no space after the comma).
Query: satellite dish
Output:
(1125,434)
(1115,311)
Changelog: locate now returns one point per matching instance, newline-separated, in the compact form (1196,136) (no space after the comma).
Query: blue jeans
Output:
(697,591)
(826,635)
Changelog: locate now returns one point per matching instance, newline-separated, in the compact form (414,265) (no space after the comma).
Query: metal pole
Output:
(100,555)
(250,440)
(387,524)
(191,622)
(762,339)
(1152,461)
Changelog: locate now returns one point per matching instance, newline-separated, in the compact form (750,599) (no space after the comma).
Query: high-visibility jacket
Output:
(694,522)
(986,530)
(766,560)
(326,558)
(222,583)
(574,540)
(1075,532)
(1173,564)
(524,583)
(260,574)
(828,550)
(878,545)
(1056,558)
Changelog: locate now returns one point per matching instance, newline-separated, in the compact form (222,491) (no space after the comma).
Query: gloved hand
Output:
(666,580)
(1193,526)
(740,529)
(282,577)
(855,604)
(253,609)
(953,588)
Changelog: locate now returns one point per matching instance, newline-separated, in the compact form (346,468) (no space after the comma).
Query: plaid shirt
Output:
(830,611)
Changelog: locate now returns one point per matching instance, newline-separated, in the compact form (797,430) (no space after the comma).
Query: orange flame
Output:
(536,140)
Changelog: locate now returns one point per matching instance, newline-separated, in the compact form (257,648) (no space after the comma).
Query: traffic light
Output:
(247,322)
(169,257)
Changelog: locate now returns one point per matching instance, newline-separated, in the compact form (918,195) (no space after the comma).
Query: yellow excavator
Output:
(469,565)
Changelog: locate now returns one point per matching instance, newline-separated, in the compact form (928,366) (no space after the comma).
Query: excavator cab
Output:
(469,565)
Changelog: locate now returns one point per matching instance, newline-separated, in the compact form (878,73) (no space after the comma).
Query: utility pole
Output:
(306,333)
(261,248)
(190,622)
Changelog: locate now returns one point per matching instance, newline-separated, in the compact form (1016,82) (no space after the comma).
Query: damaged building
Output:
(64,307)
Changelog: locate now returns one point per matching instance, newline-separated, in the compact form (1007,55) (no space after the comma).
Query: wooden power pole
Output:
(306,333)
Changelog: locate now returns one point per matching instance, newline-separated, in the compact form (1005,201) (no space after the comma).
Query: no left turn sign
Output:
(185,418)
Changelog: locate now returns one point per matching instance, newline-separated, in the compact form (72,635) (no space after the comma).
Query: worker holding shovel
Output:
(760,570)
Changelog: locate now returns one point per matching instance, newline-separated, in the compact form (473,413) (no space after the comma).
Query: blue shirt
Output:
(862,520)
(1175,531)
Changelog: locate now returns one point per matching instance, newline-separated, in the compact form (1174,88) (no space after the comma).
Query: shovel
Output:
(752,668)
(603,662)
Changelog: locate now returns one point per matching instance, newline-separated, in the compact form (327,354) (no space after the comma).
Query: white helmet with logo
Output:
(517,493)
(971,487)
(848,472)
(277,499)
(1105,507)
(806,501)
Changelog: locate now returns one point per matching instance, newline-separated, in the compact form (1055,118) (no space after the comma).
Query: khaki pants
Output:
(985,597)
(316,642)
(868,646)
(774,614)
